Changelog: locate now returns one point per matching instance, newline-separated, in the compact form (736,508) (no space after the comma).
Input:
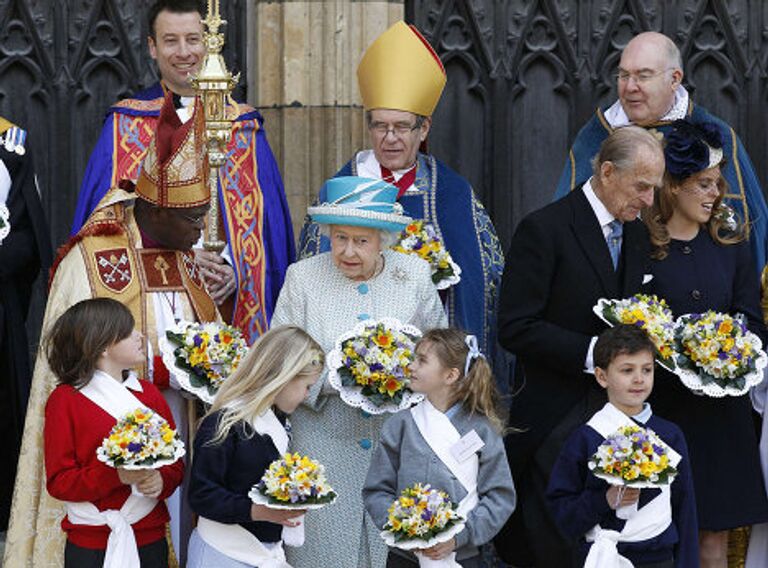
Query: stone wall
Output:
(302,58)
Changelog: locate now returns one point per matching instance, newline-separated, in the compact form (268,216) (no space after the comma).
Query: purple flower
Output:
(135,447)
(198,341)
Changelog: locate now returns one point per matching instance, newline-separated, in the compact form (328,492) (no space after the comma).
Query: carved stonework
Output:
(63,63)
(525,75)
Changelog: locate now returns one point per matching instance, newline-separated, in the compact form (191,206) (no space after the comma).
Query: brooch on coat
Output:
(399,275)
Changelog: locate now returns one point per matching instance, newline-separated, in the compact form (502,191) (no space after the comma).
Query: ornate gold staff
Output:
(214,83)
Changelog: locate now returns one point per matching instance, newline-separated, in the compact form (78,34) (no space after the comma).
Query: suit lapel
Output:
(590,238)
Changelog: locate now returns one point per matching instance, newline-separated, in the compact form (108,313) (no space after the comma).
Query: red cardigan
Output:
(74,428)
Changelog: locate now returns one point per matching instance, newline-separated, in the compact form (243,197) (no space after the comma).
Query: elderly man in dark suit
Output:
(564,257)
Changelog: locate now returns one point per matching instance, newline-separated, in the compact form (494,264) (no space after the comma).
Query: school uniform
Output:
(222,475)
(75,426)
(577,499)
(404,457)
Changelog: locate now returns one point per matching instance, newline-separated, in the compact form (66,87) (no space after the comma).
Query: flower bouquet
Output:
(649,313)
(717,355)
(202,355)
(420,238)
(293,482)
(422,517)
(5,224)
(635,457)
(370,365)
(142,439)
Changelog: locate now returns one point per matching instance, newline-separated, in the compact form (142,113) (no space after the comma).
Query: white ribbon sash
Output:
(440,434)
(239,544)
(233,540)
(122,552)
(641,524)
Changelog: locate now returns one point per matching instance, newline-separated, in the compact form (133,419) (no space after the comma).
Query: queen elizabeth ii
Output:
(328,294)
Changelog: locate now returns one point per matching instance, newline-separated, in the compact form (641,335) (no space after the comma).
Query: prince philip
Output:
(564,257)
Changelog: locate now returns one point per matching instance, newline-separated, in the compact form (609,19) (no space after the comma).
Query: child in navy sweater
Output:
(608,519)
(238,439)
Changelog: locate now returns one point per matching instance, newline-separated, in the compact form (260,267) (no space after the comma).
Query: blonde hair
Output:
(282,354)
(663,207)
(477,390)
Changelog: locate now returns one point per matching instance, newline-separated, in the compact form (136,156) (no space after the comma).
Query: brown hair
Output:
(80,336)
(623,339)
(477,390)
(175,7)
(663,207)
(281,355)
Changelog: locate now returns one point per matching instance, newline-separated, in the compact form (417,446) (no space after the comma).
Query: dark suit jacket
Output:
(558,266)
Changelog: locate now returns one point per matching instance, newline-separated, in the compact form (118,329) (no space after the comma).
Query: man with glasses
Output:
(651,95)
(134,248)
(401,79)
(254,214)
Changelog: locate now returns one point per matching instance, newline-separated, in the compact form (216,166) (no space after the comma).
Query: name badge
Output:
(467,446)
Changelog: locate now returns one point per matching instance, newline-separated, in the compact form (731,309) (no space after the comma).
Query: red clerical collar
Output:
(403,183)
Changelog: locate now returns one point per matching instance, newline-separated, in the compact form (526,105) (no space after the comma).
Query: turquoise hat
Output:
(361,202)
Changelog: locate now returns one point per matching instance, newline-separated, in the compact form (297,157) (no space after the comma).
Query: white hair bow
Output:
(473,353)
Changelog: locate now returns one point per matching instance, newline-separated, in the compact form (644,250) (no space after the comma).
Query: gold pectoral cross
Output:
(162,266)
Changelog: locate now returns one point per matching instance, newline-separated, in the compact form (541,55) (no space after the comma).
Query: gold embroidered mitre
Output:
(401,71)
(174,172)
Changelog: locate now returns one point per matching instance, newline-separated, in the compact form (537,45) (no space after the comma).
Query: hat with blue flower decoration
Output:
(360,202)
(691,147)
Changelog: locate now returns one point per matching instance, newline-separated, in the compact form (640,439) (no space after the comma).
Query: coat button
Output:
(365,443)
(696,295)
(363,317)
(686,249)
(363,288)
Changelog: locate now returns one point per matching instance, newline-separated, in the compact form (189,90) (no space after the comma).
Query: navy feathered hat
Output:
(692,147)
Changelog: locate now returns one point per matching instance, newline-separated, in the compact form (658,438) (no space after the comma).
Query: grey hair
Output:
(674,58)
(388,238)
(420,118)
(620,148)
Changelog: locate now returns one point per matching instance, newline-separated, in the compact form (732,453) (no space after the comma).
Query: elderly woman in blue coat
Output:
(327,295)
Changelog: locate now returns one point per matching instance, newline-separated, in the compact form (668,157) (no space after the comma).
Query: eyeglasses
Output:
(640,77)
(398,130)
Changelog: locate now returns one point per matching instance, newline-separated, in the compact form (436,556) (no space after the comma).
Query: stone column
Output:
(303,58)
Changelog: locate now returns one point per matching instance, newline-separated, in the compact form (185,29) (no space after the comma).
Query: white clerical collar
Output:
(617,118)
(186,108)
(132,381)
(604,217)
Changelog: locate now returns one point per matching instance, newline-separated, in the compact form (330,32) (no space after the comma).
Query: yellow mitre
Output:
(174,172)
(401,71)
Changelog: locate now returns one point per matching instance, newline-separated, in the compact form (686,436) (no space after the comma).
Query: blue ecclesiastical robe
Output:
(744,195)
(446,200)
(252,201)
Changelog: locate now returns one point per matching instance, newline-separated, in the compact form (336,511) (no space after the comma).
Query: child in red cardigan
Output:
(89,349)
